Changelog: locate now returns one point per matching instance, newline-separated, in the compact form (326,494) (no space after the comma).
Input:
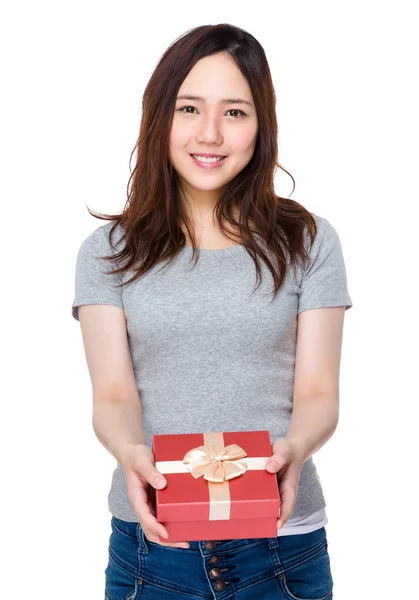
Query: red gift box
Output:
(221,490)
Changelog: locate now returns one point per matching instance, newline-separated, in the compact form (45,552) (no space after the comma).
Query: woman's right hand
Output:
(140,473)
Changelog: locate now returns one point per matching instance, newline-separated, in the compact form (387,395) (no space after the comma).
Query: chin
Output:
(204,184)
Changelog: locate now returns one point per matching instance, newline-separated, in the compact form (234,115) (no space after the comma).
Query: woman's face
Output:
(212,124)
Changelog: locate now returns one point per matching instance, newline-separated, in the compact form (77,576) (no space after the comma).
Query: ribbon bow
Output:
(216,463)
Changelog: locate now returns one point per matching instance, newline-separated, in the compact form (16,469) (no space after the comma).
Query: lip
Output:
(206,154)
(213,165)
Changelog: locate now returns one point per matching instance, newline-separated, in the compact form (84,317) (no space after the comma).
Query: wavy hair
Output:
(153,215)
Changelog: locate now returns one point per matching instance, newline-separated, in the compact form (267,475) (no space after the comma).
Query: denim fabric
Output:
(292,567)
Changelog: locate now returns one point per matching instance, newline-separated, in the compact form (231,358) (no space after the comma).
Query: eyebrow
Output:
(224,101)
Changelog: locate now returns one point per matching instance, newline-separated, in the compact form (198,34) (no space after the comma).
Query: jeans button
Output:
(210,545)
(215,573)
(220,585)
(214,560)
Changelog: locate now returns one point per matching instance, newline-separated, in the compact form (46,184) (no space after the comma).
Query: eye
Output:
(242,114)
(237,110)
(183,108)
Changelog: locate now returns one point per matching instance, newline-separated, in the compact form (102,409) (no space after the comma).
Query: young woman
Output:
(176,345)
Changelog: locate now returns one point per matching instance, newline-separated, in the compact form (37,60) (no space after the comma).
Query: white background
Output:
(73,75)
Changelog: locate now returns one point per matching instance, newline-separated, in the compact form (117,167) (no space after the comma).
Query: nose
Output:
(209,131)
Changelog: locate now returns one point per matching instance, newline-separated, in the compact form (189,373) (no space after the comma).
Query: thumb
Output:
(275,463)
(155,478)
(145,465)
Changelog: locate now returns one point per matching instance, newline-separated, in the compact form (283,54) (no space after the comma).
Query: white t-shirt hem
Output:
(314,521)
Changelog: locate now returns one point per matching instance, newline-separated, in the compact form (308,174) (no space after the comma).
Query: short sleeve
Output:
(324,281)
(92,286)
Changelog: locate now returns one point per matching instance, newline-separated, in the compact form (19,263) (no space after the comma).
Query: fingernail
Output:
(159,482)
(271,466)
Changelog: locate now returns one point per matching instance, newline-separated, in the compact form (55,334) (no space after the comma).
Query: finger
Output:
(288,495)
(155,539)
(149,521)
(140,503)
(151,499)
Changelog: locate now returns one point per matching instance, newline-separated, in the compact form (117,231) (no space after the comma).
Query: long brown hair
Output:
(153,215)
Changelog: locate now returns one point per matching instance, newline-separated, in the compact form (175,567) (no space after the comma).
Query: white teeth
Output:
(207,159)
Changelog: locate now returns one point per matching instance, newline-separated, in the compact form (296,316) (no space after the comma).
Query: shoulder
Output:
(98,240)
(325,232)
(324,226)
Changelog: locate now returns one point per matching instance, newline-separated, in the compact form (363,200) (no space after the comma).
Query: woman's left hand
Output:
(287,461)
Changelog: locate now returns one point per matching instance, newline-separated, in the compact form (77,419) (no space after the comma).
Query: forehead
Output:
(216,78)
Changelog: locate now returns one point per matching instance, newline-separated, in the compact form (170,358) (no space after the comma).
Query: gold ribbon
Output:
(217,464)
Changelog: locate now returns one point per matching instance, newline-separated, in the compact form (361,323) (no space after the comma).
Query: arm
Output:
(316,385)
(116,418)
(316,400)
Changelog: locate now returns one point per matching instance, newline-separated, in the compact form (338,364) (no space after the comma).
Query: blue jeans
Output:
(291,567)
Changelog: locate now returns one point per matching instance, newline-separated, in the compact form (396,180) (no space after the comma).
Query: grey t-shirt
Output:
(208,355)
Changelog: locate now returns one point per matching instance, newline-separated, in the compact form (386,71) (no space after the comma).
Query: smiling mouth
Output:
(212,162)
(205,156)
